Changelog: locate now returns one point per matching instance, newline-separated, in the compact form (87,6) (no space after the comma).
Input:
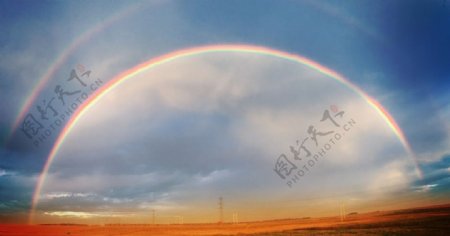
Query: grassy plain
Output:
(433,220)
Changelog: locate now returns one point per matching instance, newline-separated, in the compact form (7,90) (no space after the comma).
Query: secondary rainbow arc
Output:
(64,56)
(128,74)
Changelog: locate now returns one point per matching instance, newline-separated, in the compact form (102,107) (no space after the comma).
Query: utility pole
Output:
(235,218)
(220,210)
(342,211)
(180,219)
(153,211)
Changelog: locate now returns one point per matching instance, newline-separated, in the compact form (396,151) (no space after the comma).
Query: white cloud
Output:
(54,195)
(81,214)
(393,177)
(212,177)
(3,173)
(425,188)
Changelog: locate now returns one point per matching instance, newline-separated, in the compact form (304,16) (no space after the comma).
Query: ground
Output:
(434,220)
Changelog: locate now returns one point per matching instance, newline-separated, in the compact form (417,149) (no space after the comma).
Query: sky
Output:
(177,136)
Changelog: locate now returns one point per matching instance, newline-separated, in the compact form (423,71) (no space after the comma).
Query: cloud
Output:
(80,214)
(177,138)
(437,176)
(4,173)
(393,177)
(65,195)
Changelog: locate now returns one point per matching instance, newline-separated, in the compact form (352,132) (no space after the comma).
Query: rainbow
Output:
(128,74)
(64,56)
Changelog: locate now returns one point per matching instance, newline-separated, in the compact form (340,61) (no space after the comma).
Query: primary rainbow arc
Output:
(128,74)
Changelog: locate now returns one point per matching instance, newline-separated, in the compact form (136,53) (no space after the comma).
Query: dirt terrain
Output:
(433,220)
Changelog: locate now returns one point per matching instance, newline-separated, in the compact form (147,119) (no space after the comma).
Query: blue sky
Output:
(397,52)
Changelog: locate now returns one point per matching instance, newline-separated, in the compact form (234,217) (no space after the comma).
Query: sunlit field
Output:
(418,221)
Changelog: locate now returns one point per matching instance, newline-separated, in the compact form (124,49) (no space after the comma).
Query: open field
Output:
(433,220)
